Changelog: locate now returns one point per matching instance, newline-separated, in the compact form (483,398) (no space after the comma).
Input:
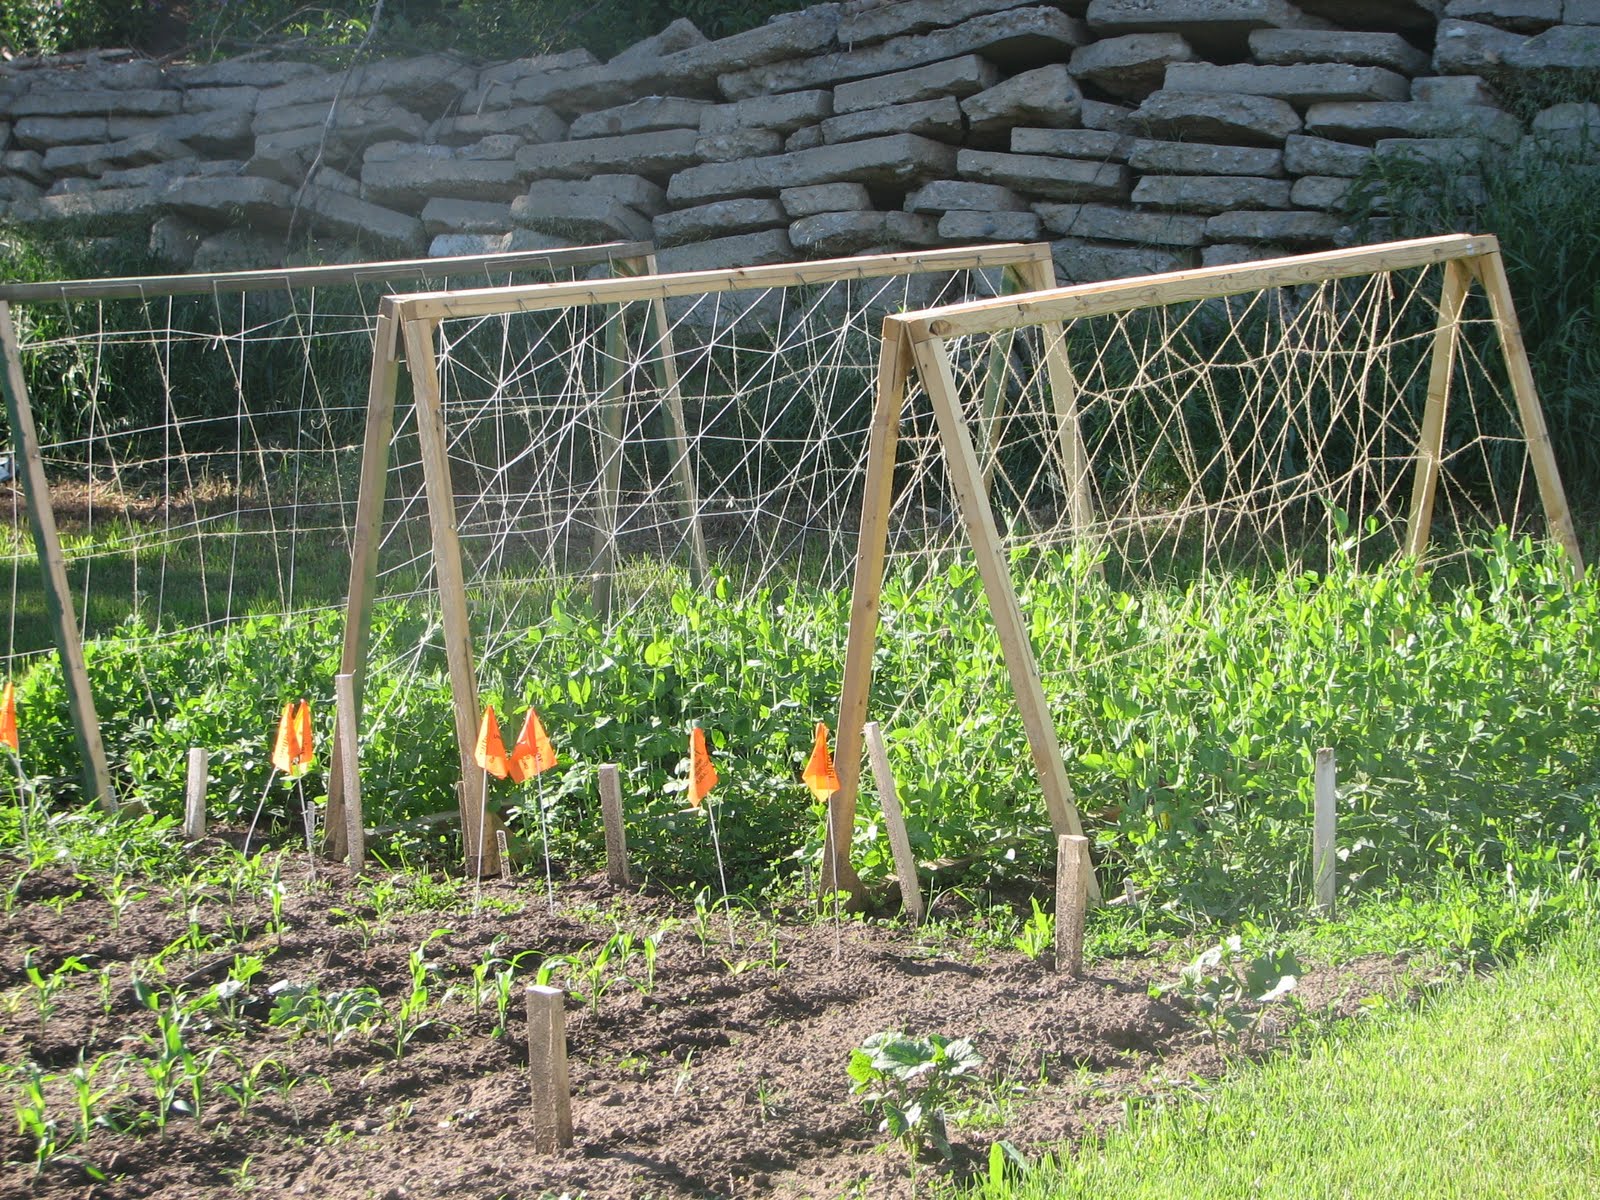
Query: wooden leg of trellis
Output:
(547,1069)
(347,727)
(1074,871)
(1491,272)
(617,870)
(1324,837)
(1075,466)
(1430,441)
(996,371)
(905,862)
(664,356)
(53,568)
(871,550)
(378,434)
(613,402)
(933,366)
(194,808)
(451,578)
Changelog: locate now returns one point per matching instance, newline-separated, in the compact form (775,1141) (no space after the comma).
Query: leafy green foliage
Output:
(1228,988)
(914,1082)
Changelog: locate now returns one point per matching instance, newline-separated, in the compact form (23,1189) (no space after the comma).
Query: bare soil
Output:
(726,1079)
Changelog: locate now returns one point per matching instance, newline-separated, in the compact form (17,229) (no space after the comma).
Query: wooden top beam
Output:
(136,287)
(1147,291)
(479,302)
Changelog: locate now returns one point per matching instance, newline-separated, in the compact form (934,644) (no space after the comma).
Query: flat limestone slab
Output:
(824,197)
(1367,123)
(827,235)
(785,113)
(1046,96)
(1279,228)
(641,116)
(1106,223)
(1302,86)
(939,118)
(1212,26)
(1230,119)
(957,77)
(967,225)
(1072,143)
(1305,155)
(1292,47)
(1132,66)
(1080,260)
(1211,193)
(633,154)
(901,160)
(1049,178)
(943,195)
(719,219)
(1198,158)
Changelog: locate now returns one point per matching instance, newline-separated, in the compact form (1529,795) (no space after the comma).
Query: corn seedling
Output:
(1038,932)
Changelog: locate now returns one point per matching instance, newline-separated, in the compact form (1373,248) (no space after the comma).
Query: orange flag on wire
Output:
(491,750)
(285,750)
(8,718)
(819,774)
(304,738)
(534,752)
(702,773)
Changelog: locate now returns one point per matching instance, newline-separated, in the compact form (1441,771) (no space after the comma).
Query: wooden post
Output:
(996,369)
(617,870)
(1324,839)
(53,568)
(347,730)
(1430,439)
(1075,466)
(194,809)
(1491,272)
(905,862)
(381,386)
(547,1069)
(613,403)
(503,844)
(933,365)
(664,358)
(1074,873)
(451,579)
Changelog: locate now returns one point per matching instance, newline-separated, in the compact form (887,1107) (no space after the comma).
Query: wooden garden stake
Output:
(547,1069)
(1323,835)
(1072,901)
(194,811)
(905,862)
(504,846)
(616,832)
(349,764)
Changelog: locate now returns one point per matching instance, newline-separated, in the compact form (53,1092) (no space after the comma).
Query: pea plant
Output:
(916,1084)
(1229,989)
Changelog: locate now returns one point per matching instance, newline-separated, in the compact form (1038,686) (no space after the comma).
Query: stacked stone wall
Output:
(1135,135)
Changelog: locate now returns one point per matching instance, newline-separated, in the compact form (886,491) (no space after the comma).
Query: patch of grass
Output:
(1488,1090)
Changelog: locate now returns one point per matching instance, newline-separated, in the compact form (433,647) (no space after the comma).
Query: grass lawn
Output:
(1491,1089)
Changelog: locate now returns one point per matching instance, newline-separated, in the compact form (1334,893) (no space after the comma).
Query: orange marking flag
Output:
(819,774)
(491,750)
(702,772)
(304,738)
(285,750)
(534,752)
(8,718)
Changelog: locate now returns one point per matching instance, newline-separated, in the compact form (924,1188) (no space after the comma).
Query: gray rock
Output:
(945,195)
(1449,152)
(786,113)
(1110,118)
(1304,155)
(1279,228)
(1452,89)
(1104,223)
(808,138)
(633,190)
(1072,143)
(1231,254)
(174,241)
(593,218)
(641,116)
(1523,16)
(13,188)
(1564,48)
(824,197)
(107,156)
(939,119)
(899,161)
(218,133)
(682,34)
(828,235)
(238,250)
(333,213)
(744,250)
(1210,193)
(1291,47)
(957,77)
(1329,193)
(1404,16)
(465,216)
(1468,48)
(24,164)
(720,219)
(573,196)
(968,225)
(1212,26)
(38,103)
(410,183)
(1021,36)
(1197,158)
(497,86)
(5,134)
(1237,120)
(96,209)
(1571,126)
(532,122)
(1080,261)
(1301,86)
(244,200)
(531,239)
(1581,12)
(224,99)
(638,153)
(1132,66)
(238,73)
(495,146)
(1369,122)
(1050,178)
(1046,96)
(460,245)
(737,144)
(428,85)
(862,24)
(40,133)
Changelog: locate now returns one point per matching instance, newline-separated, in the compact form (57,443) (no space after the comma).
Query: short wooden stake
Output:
(1072,900)
(617,870)
(504,846)
(194,812)
(355,833)
(905,863)
(1323,842)
(547,1069)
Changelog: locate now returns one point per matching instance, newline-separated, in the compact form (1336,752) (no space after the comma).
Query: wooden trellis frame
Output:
(35,484)
(412,322)
(918,341)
